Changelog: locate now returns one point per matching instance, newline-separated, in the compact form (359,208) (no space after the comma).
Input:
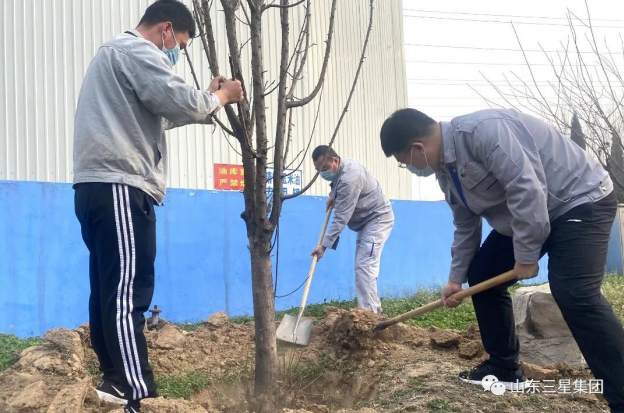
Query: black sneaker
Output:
(513,380)
(110,392)
(133,406)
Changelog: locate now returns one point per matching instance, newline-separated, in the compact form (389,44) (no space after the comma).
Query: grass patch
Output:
(235,376)
(458,318)
(183,386)
(613,290)
(190,326)
(454,318)
(11,346)
(416,384)
(243,319)
(317,311)
(439,406)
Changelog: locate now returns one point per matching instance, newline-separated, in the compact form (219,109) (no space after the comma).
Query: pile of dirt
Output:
(351,336)
(219,350)
(325,409)
(345,367)
(46,376)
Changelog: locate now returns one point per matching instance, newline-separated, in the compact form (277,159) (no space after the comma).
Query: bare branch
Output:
(591,30)
(280,127)
(283,75)
(204,23)
(190,63)
(330,35)
(207,34)
(305,151)
(213,117)
(304,54)
(346,108)
(281,6)
(288,136)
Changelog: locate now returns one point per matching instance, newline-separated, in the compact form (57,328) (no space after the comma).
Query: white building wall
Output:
(53,41)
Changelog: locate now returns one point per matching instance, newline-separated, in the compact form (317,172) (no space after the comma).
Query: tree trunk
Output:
(261,230)
(616,167)
(264,313)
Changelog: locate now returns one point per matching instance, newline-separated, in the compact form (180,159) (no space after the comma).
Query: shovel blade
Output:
(286,330)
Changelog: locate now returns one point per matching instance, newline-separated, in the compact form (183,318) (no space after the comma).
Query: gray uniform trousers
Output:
(369,245)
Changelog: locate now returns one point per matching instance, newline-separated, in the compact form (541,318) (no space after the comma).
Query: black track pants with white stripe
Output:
(118,226)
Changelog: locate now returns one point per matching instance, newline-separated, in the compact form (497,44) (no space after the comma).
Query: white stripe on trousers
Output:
(124,296)
(131,293)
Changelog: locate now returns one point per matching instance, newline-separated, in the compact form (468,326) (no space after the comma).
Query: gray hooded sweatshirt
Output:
(129,96)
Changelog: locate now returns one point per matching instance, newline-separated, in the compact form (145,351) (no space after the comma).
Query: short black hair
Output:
(402,128)
(170,11)
(323,150)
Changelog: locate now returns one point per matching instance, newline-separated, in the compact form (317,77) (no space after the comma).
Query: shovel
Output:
(485,285)
(293,329)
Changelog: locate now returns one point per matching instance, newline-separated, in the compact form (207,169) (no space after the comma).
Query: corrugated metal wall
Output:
(53,41)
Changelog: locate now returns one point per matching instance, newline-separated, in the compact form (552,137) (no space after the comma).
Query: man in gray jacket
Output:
(541,193)
(360,204)
(129,94)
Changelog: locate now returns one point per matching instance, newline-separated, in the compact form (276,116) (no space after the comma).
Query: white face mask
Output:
(423,173)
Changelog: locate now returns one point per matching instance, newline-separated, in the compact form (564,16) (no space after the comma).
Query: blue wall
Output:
(202,261)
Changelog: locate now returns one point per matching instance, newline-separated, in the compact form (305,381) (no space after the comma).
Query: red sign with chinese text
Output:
(229,177)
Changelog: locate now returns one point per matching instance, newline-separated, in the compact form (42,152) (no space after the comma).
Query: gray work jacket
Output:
(358,199)
(129,95)
(517,172)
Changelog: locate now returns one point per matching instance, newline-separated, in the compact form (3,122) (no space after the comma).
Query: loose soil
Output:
(346,368)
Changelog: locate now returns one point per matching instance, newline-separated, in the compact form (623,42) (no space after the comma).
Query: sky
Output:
(472,33)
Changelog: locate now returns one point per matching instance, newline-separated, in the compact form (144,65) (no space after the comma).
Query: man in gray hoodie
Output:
(360,204)
(129,95)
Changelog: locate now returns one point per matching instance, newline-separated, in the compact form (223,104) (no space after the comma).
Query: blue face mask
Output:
(328,175)
(172,54)
(423,173)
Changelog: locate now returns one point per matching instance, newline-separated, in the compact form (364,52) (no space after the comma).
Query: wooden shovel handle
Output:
(485,285)
(314,261)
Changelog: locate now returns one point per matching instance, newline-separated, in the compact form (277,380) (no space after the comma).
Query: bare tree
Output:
(576,133)
(247,123)
(588,84)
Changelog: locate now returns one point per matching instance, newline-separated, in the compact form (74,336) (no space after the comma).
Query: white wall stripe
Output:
(120,288)
(125,316)
(131,293)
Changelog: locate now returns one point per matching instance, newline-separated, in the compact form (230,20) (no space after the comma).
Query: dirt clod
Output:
(535,372)
(25,400)
(71,398)
(169,337)
(68,341)
(352,333)
(218,319)
(162,405)
(445,338)
(470,349)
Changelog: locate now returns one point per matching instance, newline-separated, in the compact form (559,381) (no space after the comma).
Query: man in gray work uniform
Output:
(129,94)
(541,193)
(359,203)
